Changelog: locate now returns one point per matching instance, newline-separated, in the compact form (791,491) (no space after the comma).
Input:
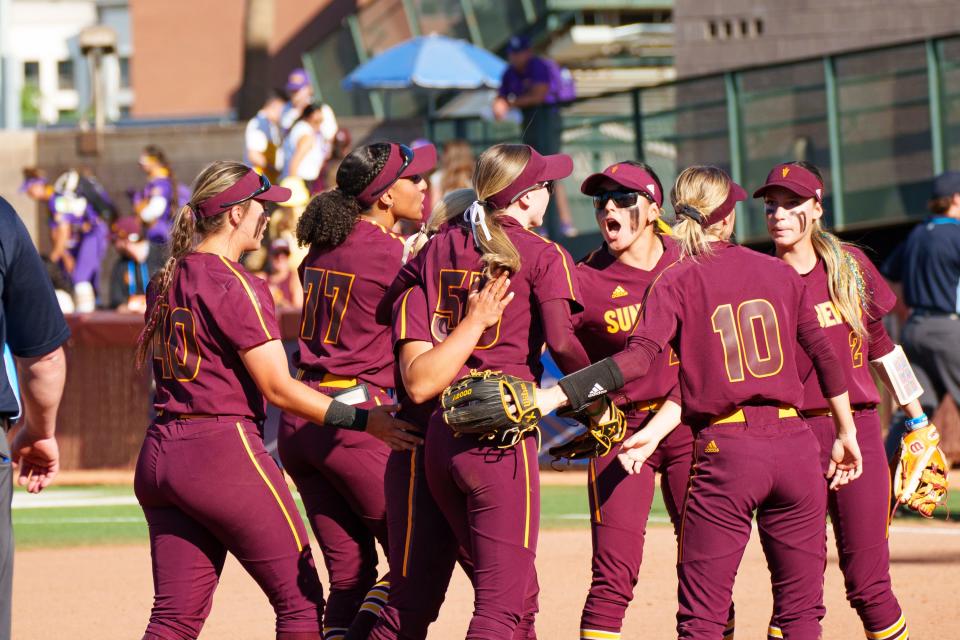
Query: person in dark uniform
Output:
(534,85)
(139,260)
(927,265)
(33,328)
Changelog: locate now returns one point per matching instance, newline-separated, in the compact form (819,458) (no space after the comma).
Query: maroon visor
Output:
(252,186)
(735,195)
(626,175)
(403,162)
(539,169)
(793,178)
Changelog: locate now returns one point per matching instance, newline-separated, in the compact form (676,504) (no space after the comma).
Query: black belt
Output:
(936,313)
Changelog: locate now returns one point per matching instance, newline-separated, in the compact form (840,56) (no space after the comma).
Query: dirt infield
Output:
(105,592)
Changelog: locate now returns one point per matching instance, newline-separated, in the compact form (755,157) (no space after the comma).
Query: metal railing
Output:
(878,122)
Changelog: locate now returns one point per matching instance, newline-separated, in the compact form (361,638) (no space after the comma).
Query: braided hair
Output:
(330,217)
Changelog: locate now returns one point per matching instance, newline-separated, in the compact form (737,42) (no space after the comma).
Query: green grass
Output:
(562,507)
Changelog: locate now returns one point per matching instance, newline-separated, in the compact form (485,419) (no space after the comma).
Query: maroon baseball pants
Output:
(619,508)
(860,515)
(771,467)
(491,499)
(208,487)
(339,474)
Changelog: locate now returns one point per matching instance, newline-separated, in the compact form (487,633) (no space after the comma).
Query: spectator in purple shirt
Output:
(535,85)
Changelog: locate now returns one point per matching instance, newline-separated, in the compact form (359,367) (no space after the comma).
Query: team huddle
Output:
(411,423)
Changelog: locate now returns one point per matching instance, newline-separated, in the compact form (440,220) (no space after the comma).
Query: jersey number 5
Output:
(455,285)
(175,344)
(750,337)
(334,287)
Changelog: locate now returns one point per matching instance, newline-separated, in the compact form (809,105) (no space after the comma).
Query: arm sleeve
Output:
(553,277)
(408,276)
(34,322)
(245,312)
(155,208)
(881,298)
(818,348)
(651,332)
(879,342)
(558,329)
(410,317)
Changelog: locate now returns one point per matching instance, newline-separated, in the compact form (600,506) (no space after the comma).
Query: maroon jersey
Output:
(737,316)
(450,263)
(213,310)
(341,289)
(411,323)
(613,296)
(850,348)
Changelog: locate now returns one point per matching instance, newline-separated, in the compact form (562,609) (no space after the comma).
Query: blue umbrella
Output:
(429,62)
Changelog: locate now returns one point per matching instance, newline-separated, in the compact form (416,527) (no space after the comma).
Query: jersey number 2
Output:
(750,337)
(175,344)
(334,287)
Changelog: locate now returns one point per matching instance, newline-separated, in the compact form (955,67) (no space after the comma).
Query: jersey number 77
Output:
(334,287)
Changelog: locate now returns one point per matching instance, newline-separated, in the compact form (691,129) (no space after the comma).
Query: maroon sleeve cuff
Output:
(880,343)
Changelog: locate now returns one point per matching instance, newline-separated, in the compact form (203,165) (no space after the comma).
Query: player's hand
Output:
(486,305)
(550,399)
(635,450)
(38,460)
(846,464)
(500,108)
(397,434)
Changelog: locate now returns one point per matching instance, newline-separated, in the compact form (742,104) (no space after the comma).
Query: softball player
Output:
(423,548)
(489,494)
(849,298)
(204,479)
(737,339)
(627,199)
(77,232)
(353,258)
(160,198)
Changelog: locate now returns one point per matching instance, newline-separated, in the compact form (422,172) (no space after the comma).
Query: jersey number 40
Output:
(750,339)
(175,347)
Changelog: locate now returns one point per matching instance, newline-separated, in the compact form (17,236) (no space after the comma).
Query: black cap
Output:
(946,185)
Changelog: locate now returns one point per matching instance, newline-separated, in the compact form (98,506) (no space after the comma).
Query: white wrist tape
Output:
(904,383)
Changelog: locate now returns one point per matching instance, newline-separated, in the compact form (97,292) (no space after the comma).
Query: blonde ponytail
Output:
(187,228)
(848,291)
(496,170)
(698,190)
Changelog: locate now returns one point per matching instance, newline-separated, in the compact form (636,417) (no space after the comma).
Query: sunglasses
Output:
(622,199)
(263,188)
(549,185)
(415,179)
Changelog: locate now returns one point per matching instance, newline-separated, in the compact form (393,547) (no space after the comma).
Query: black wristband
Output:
(584,386)
(345,416)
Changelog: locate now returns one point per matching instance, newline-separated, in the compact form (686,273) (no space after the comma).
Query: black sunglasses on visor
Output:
(549,185)
(622,199)
(263,188)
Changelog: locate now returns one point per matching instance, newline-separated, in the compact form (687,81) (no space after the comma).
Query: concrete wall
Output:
(792,29)
(19,150)
(188,147)
(189,54)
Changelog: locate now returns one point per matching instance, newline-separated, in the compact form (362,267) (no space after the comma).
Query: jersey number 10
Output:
(750,337)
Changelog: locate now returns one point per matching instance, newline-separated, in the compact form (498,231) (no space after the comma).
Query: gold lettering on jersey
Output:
(622,318)
(828,314)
